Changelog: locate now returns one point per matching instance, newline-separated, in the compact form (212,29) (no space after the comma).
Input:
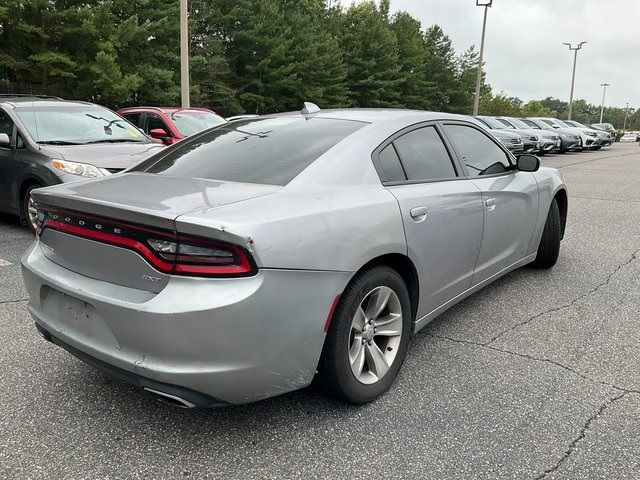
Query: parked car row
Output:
(541,135)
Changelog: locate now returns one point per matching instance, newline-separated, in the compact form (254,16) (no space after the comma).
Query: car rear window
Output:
(272,150)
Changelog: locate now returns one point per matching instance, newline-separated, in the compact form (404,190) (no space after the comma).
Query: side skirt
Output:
(425,320)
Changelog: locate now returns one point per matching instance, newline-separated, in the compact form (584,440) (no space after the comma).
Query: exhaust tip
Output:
(169,399)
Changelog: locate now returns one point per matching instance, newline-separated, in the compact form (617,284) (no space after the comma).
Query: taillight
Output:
(167,251)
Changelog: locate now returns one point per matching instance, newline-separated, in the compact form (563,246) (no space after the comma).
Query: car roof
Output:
(168,110)
(373,115)
(42,100)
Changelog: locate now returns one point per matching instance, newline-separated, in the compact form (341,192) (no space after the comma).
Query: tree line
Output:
(255,56)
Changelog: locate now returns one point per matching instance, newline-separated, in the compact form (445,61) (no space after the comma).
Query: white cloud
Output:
(524,55)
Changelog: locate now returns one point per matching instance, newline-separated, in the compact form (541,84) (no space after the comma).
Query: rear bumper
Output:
(225,340)
(189,398)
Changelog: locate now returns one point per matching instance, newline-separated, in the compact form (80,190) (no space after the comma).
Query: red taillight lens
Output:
(167,251)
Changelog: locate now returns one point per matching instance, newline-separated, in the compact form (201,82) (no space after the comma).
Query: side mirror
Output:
(555,126)
(5,141)
(158,133)
(528,163)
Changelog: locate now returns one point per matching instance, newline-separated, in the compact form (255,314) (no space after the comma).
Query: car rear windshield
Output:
(191,122)
(269,150)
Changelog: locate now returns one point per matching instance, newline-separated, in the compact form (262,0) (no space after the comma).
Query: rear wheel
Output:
(29,213)
(368,338)
(549,247)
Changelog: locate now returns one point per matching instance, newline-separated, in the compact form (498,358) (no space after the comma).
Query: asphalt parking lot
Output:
(536,376)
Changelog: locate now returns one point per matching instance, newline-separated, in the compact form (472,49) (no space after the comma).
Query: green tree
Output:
(317,56)
(535,108)
(371,52)
(416,90)
(501,105)
(467,73)
(440,69)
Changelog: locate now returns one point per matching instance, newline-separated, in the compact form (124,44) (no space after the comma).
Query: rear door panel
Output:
(444,246)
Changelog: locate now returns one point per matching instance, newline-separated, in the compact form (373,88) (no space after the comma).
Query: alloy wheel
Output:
(32,213)
(376,331)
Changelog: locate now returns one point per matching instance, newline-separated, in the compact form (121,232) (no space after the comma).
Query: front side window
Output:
(6,124)
(265,150)
(73,125)
(479,153)
(133,117)
(154,122)
(424,155)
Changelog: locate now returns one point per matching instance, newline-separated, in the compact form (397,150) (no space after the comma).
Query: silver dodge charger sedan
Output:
(257,256)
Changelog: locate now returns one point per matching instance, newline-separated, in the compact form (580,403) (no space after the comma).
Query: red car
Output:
(171,124)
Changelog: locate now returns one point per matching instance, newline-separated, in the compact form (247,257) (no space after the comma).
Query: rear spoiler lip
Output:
(156,218)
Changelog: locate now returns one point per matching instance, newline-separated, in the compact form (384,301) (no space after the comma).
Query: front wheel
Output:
(367,342)
(29,213)
(549,247)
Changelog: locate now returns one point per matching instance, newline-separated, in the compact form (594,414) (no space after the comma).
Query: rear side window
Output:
(271,151)
(423,155)
(479,153)
(390,164)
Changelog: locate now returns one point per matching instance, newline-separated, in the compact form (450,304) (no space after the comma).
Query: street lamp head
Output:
(577,47)
(484,3)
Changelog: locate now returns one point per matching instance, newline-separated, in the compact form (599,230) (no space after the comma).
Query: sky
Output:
(524,52)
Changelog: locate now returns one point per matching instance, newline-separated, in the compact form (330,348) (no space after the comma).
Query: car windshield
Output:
(506,123)
(571,123)
(564,125)
(190,122)
(492,122)
(551,123)
(265,150)
(531,123)
(518,123)
(69,125)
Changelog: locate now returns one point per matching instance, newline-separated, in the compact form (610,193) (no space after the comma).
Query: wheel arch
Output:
(407,271)
(24,185)
(563,205)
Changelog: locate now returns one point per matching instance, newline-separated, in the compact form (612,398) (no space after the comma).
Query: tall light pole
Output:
(626,114)
(604,92)
(476,101)
(573,75)
(184,54)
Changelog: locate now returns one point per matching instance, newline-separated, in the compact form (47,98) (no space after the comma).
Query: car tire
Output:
(549,247)
(28,209)
(350,361)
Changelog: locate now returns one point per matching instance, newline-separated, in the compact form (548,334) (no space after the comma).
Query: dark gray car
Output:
(46,140)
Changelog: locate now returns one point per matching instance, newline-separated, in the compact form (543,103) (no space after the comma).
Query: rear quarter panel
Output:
(339,228)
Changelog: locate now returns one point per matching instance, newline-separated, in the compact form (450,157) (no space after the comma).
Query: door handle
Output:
(491,204)
(419,213)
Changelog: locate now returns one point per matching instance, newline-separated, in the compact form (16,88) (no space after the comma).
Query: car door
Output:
(441,211)
(510,198)
(7,164)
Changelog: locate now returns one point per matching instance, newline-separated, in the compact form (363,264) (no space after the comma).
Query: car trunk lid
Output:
(93,226)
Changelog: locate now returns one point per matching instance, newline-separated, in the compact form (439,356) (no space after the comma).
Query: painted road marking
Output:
(4,263)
